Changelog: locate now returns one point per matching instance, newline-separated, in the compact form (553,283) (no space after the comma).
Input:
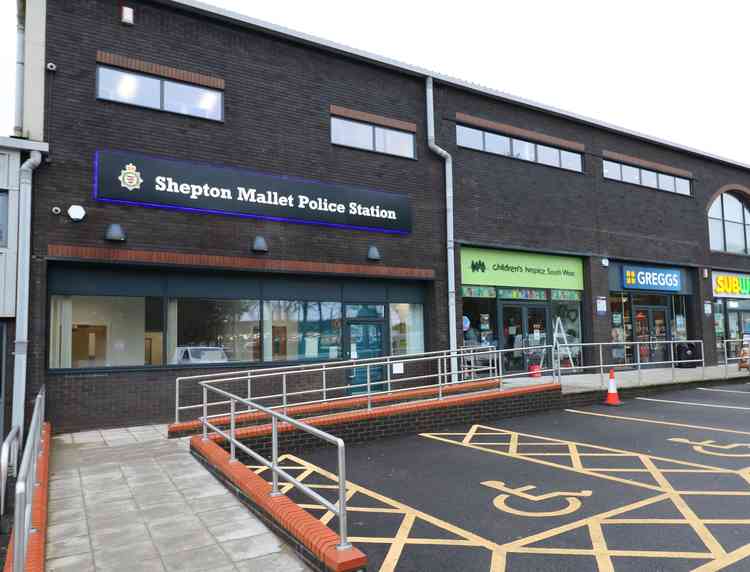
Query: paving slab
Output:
(126,499)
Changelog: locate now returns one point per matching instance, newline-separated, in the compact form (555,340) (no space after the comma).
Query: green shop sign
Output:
(486,267)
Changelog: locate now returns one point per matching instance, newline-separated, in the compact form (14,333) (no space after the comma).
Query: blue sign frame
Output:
(651,278)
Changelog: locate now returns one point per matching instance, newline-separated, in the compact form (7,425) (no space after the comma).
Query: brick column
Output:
(596,328)
(700,326)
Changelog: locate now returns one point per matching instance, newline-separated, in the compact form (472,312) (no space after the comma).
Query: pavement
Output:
(661,483)
(129,499)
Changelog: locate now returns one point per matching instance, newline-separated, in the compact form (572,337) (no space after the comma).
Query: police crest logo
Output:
(130,178)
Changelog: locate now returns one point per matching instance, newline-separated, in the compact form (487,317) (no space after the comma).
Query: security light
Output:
(259,244)
(115,233)
(76,213)
(373,253)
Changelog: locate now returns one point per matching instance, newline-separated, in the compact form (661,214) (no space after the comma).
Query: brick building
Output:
(245,196)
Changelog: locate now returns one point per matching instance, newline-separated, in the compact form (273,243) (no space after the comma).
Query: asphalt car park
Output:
(661,483)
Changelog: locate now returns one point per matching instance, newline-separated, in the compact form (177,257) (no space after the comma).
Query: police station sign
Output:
(651,278)
(140,180)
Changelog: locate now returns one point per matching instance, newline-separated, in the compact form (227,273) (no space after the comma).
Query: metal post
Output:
(671,359)
(440,378)
(249,389)
(344,543)
(703,361)
(638,357)
(726,362)
(325,389)
(274,457)
(369,393)
(601,368)
(177,400)
(388,373)
(283,390)
(232,452)
(19,527)
(205,413)
(499,369)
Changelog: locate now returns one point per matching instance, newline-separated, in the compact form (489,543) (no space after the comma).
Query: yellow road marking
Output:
(603,560)
(397,546)
(723,390)
(729,559)
(693,403)
(655,422)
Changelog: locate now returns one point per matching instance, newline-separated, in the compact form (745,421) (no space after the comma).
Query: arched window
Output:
(729,224)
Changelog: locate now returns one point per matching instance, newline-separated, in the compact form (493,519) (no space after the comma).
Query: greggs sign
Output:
(729,285)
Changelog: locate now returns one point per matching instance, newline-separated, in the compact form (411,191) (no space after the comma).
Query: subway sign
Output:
(129,178)
(651,278)
(730,285)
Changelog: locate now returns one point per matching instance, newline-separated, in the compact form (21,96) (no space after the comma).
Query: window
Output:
(156,93)
(296,330)
(212,331)
(645,178)
(517,148)
(729,224)
(407,329)
(105,331)
(548,155)
(372,137)
(3,219)
(523,150)
(192,100)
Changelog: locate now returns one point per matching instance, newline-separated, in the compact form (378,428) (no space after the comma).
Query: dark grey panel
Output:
(214,285)
(406,293)
(365,291)
(105,281)
(298,288)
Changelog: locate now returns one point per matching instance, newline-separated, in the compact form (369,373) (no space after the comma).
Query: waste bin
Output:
(686,351)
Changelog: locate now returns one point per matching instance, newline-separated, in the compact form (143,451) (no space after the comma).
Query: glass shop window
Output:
(105,331)
(297,330)
(480,322)
(407,329)
(212,331)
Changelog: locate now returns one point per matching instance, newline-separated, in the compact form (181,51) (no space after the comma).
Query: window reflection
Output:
(297,330)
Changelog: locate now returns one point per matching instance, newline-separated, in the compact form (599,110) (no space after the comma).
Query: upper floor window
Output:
(372,137)
(3,219)
(645,178)
(490,142)
(729,224)
(156,93)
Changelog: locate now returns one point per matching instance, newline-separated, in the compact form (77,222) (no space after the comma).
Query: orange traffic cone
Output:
(612,397)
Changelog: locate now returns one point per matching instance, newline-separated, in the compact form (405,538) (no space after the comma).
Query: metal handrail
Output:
(603,367)
(339,509)
(729,359)
(26,483)
(11,442)
(318,367)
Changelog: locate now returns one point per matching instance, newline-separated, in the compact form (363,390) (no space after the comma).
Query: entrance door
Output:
(365,341)
(651,330)
(524,326)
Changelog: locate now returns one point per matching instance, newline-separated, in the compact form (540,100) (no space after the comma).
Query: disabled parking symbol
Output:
(710,447)
(501,501)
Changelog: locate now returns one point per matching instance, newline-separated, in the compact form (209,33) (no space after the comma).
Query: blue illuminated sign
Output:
(651,278)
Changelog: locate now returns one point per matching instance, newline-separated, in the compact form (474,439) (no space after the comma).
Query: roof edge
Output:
(315,41)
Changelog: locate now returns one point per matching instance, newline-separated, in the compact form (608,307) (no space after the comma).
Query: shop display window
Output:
(212,331)
(296,330)
(105,331)
(480,321)
(679,318)
(407,329)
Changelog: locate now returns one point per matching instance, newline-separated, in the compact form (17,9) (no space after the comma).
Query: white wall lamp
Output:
(76,213)
(260,244)
(373,254)
(115,233)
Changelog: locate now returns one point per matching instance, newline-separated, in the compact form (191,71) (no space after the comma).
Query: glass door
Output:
(651,330)
(365,341)
(513,337)
(536,335)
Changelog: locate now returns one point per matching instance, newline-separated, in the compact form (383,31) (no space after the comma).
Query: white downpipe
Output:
(20,63)
(450,246)
(22,294)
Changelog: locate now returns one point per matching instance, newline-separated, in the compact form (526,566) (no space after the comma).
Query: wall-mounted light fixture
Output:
(260,244)
(115,233)
(705,273)
(605,262)
(373,253)
(76,213)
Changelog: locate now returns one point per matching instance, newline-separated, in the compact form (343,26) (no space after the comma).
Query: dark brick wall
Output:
(277,100)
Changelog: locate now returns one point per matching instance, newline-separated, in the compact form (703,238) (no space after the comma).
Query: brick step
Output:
(194,427)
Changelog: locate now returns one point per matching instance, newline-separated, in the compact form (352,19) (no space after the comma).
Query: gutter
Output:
(22,293)
(450,242)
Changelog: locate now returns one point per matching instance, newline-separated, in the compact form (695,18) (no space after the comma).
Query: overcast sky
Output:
(673,69)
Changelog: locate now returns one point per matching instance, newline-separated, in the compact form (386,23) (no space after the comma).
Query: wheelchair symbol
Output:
(500,502)
(700,447)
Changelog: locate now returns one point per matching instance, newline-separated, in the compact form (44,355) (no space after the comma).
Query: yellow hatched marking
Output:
(721,563)
(655,422)
(397,547)
(603,560)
